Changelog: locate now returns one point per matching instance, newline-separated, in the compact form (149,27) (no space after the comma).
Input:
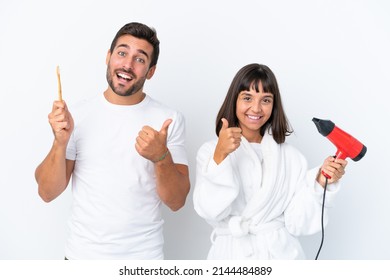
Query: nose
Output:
(128,64)
(256,107)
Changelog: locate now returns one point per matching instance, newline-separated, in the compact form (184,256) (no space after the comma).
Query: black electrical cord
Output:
(322,217)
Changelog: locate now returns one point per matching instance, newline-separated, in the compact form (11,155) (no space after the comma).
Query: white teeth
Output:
(124,76)
(254,117)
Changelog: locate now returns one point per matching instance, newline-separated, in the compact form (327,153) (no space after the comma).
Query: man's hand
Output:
(61,122)
(152,144)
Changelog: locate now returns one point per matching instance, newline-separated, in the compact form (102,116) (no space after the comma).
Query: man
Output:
(125,154)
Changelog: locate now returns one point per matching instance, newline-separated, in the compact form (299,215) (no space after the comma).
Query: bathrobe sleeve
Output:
(303,213)
(216,187)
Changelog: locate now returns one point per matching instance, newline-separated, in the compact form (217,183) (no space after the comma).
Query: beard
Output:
(120,89)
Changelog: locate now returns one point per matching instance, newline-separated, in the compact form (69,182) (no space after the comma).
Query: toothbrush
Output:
(59,84)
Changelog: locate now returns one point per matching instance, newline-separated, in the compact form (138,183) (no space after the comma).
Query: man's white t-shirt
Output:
(116,210)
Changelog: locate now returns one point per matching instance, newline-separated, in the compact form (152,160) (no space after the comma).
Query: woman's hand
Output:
(229,140)
(334,168)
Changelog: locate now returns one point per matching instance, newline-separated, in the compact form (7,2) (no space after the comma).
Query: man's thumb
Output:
(164,128)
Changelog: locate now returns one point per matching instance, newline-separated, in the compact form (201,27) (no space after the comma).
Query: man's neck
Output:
(116,99)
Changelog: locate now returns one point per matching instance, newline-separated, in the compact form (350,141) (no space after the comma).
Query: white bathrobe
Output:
(257,206)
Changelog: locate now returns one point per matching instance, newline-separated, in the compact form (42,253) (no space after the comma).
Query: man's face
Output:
(128,65)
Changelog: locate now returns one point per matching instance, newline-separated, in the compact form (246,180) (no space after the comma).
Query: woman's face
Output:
(253,109)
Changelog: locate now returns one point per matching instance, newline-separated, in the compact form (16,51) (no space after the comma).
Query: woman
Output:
(251,186)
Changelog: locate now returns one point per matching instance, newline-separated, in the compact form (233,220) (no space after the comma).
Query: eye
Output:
(267,100)
(140,60)
(121,53)
(246,97)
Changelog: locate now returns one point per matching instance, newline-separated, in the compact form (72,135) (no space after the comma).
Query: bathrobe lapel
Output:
(268,182)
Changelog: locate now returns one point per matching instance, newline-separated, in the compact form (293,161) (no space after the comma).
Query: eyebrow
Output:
(128,47)
(265,94)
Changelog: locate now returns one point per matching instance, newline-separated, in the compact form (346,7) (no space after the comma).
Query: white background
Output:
(331,60)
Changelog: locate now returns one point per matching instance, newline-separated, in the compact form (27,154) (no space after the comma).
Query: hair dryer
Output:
(347,146)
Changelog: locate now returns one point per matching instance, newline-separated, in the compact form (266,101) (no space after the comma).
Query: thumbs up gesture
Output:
(229,140)
(152,144)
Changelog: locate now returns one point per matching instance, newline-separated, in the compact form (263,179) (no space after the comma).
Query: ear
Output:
(151,71)
(108,56)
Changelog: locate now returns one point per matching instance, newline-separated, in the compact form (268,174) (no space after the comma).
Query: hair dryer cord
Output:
(322,217)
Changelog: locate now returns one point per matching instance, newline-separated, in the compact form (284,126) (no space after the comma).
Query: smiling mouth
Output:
(254,117)
(124,76)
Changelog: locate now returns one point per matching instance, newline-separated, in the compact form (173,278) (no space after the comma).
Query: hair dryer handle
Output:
(339,154)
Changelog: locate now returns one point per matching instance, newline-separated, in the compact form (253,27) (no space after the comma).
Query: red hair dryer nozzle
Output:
(347,146)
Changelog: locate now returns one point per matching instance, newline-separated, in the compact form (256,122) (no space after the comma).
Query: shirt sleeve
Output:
(176,139)
(71,148)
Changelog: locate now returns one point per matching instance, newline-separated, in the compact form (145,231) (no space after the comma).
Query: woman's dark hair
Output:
(250,76)
(140,31)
